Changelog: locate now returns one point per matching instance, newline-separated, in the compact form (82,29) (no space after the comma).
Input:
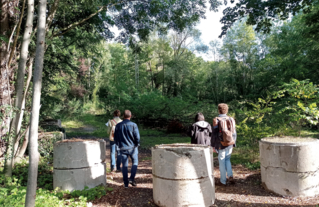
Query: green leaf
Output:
(4,38)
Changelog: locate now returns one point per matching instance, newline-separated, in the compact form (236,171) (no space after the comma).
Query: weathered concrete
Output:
(183,175)
(78,163)
(77,179)
(290,167)
(78,154)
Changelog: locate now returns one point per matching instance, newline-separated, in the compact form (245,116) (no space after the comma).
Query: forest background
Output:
(266,71)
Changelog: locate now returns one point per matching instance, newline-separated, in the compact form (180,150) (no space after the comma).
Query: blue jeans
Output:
(133,154)
(114,148)
(224,164)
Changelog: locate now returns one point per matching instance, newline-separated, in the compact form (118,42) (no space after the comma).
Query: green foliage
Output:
(13,189)
(149,142)
(252,166)
(7,111)
(153,105)
(281,112)
(91,194)
(47,142)
(4,38)
(45,175)
(301,98)
(261,17)
(13,194)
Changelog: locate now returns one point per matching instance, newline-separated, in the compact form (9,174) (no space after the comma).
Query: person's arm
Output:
(116,137)
(191,134)
(136,135)
(235,133)
(214,134)
(108,127)
(189,131)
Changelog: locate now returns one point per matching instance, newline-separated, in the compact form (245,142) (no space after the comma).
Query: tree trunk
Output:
(37,83)
(163,76)
(24,98)
(7,20)
(23,148)
(216,86)
(136,72)
(17,120)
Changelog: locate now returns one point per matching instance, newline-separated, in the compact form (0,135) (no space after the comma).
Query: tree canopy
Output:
(262,13)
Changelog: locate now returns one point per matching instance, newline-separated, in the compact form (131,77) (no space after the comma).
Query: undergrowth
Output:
(13,189)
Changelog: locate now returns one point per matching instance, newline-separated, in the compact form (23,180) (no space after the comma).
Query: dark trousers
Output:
(113,149)
(133,154)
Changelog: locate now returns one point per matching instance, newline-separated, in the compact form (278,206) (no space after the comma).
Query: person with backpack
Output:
(113,147)
(200,132)
(223,140)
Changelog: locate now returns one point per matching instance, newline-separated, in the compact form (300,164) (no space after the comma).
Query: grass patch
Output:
(150,132)
(247,156)
(310,133)
(77,127)
(148,142)
(146,158)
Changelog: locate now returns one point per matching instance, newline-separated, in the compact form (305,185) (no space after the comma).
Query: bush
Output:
(153,105)
(13,190)
(47,141)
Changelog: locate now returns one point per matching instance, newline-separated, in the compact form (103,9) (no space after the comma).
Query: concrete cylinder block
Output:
(290,166)
(77,179)
(78,154)
(183,175)
(79,163)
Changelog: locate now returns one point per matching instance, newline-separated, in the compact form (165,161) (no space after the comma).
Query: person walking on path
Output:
(201,131)
(223,141)
(113,147)
(127,138)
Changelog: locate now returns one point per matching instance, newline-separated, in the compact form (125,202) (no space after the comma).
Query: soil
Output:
(247,191)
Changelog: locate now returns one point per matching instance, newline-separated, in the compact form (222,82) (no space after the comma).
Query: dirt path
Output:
(246,192)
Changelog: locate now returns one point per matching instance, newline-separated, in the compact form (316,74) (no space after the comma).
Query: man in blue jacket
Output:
(127,138)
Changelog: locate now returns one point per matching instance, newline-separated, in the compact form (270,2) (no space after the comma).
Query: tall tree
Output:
(36,97)
(20,99)
(8,24)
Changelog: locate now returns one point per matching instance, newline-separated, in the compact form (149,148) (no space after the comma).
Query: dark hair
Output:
(127,114)
(199,117)
(117,113)
(222,108)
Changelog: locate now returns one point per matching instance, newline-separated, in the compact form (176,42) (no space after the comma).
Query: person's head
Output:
(222,108)
(117,113)
(199,117)
(127,114)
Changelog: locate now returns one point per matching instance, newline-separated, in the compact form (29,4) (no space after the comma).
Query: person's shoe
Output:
(231,180)
(133,183)
(218,183)
(118,171)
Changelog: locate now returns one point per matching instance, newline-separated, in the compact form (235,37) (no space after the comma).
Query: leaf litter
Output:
(247,191)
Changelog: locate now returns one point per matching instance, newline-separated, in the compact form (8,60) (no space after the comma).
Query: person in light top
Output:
(113,147)
(224,152)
